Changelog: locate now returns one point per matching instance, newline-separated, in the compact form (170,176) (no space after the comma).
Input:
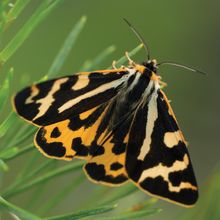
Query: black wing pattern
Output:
(157,159)
(55,100)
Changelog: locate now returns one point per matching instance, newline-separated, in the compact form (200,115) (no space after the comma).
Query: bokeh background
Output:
(181,31)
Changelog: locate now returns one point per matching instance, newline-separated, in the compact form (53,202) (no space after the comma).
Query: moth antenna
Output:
(141,39)
(181,66)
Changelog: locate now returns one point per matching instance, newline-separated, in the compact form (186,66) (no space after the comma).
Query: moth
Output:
(120,122)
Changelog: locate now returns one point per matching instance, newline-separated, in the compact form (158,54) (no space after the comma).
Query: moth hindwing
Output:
(120,122)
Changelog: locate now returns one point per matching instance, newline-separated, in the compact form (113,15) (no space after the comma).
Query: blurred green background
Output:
(181,31)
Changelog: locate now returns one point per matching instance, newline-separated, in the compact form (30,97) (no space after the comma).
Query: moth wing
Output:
(106,164)
(83,137)
(55,100)
(157,159)
(71,137)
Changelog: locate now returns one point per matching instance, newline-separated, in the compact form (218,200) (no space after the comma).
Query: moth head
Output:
(151,65)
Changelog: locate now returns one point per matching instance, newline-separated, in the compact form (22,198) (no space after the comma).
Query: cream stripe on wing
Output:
(34,92)
(48,100)
(171,139)
(152,116)
(89,94)
(82,82)
(164,171)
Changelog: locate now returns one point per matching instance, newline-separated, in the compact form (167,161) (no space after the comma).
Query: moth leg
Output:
(115,67)
(131,62)
(162,84)
(114,64)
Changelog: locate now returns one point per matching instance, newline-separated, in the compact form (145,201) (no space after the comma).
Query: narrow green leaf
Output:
(28,175)
(132,215)
(3,166)
(7,123)
(21,213)
(2,16)
(39,191)
(13,152)
(83,213)
(94,64)
(39,15)
(123,59)
(25,134)
(12,141)
(4,89)
(48,176)
(66,47)
(29,165)
(16,10)
(9,153)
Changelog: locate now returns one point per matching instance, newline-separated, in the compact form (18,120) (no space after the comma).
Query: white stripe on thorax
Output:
(135,81)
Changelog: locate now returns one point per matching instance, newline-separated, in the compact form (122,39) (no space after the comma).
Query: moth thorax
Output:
(151,65)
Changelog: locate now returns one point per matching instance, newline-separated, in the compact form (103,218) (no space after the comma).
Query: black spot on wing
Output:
(119,148)
(79,148)
(98,173)
(55,133)
(55,149)
(116,166)
(158,186)
(76,123)
(96,150)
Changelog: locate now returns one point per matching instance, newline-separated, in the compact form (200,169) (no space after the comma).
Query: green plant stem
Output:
(132,215)
(27,133)
(48,176)
(16,10)
(66,48)
(3,166)
(39,191)
(61,195)
(18,152)
(94,64)
(39,15)
(4,89)
(7,123)
(123,59)
(21,213)
(29,175)
(83,213)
